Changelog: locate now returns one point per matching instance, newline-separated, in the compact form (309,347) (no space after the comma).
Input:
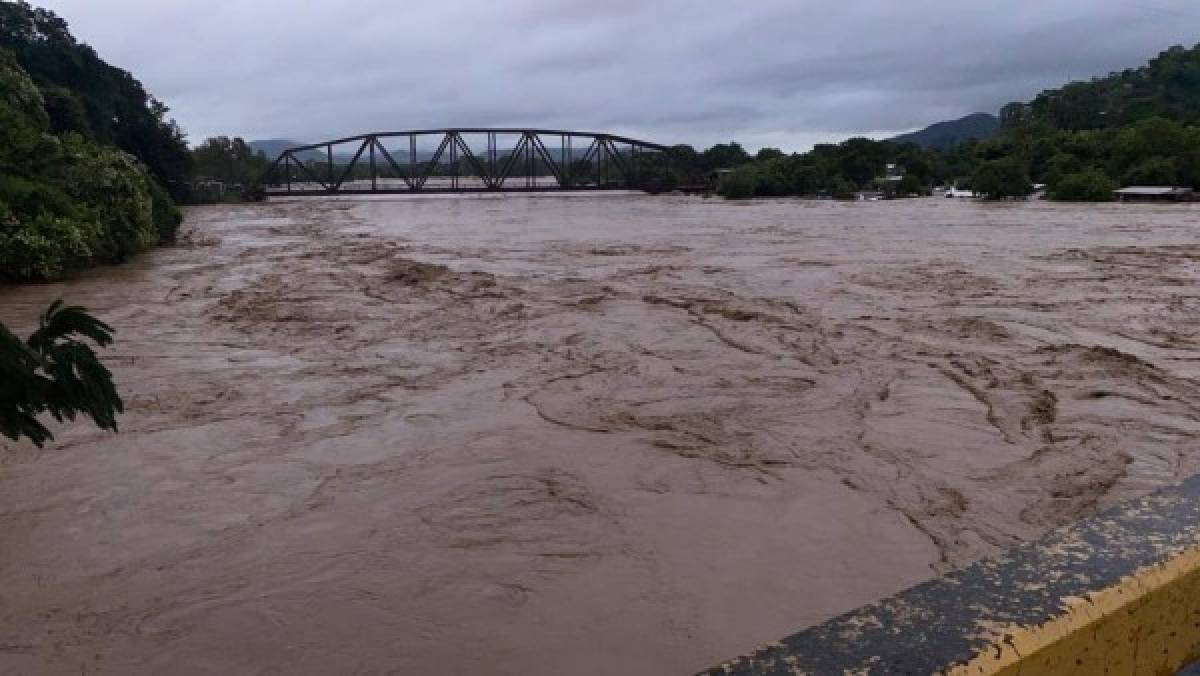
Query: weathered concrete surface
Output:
(1117,593)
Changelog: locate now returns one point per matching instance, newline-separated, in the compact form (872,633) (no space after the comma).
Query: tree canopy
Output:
(70,195)
(67,202)
(83,94)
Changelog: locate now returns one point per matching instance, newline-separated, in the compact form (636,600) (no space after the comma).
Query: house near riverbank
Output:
(1154,193)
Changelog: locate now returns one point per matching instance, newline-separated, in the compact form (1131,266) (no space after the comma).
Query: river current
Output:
(583,434)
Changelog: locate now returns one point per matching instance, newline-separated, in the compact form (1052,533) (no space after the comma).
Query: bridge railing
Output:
(1117,593)
(465,160)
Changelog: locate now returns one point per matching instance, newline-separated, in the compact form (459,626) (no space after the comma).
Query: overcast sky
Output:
(764,72)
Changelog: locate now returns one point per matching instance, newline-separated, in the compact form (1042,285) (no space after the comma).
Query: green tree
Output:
(725,156)
(117,110)
(737,185)
(767,154)
(1091,185)
(805,179)
(1059,165)
(66,202)
(1002,178)
(1157,170)
(911,185)
(234,163)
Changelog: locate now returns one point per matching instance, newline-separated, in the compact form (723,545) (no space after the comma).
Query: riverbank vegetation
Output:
(223,168)
(89,161)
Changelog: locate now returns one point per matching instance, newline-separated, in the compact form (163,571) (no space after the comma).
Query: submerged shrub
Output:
(737,185)
(1091,185)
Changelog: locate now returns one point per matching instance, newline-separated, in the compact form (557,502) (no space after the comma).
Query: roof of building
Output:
(1153,190)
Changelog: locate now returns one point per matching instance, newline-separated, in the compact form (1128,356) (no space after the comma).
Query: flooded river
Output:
(585,434)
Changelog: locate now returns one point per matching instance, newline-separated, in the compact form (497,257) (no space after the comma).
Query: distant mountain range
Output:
(979,126)
(273,147)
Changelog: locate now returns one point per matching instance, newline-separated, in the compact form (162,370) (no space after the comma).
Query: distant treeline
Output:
(88,160)
(1083,141)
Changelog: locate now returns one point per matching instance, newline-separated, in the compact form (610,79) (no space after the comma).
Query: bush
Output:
(111,189)
(1091,185)
(841,189)
(738,185)
(1002,178)
(911,185)
(1154,171)
(769,184)
(44,248)
(163,212)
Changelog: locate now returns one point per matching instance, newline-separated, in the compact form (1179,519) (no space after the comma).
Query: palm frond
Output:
(63,321)
(58,373)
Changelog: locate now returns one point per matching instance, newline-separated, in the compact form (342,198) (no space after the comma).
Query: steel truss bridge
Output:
(530,160)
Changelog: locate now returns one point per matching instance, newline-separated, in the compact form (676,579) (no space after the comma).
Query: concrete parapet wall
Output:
(1118,593)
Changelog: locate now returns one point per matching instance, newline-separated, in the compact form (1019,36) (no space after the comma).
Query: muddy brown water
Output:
(584,435)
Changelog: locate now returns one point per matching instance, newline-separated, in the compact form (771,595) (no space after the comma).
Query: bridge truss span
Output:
(462,161)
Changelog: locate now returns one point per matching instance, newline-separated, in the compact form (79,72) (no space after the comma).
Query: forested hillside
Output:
(975,127)
(1137,127)
(1167,87)
(86,156)
(83,94)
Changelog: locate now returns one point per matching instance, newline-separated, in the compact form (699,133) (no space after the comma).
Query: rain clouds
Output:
(768,72)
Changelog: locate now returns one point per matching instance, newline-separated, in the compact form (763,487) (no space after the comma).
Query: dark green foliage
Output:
(652,173)
(857,168)
(769,183)
(1091,185)
(839,170)
(230,160)
(1002,178)
(737,185)
(724,156)
(163,212)
(1167,87)
(841,189)
(67,202)
(1157,170)
(86,95)
(56,372)
(66,111)
(1137,127)
(911,185)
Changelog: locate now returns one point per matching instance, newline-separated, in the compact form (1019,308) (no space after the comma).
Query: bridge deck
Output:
(440,191)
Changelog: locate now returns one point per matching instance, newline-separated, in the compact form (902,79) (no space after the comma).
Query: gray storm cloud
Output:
(767,72)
